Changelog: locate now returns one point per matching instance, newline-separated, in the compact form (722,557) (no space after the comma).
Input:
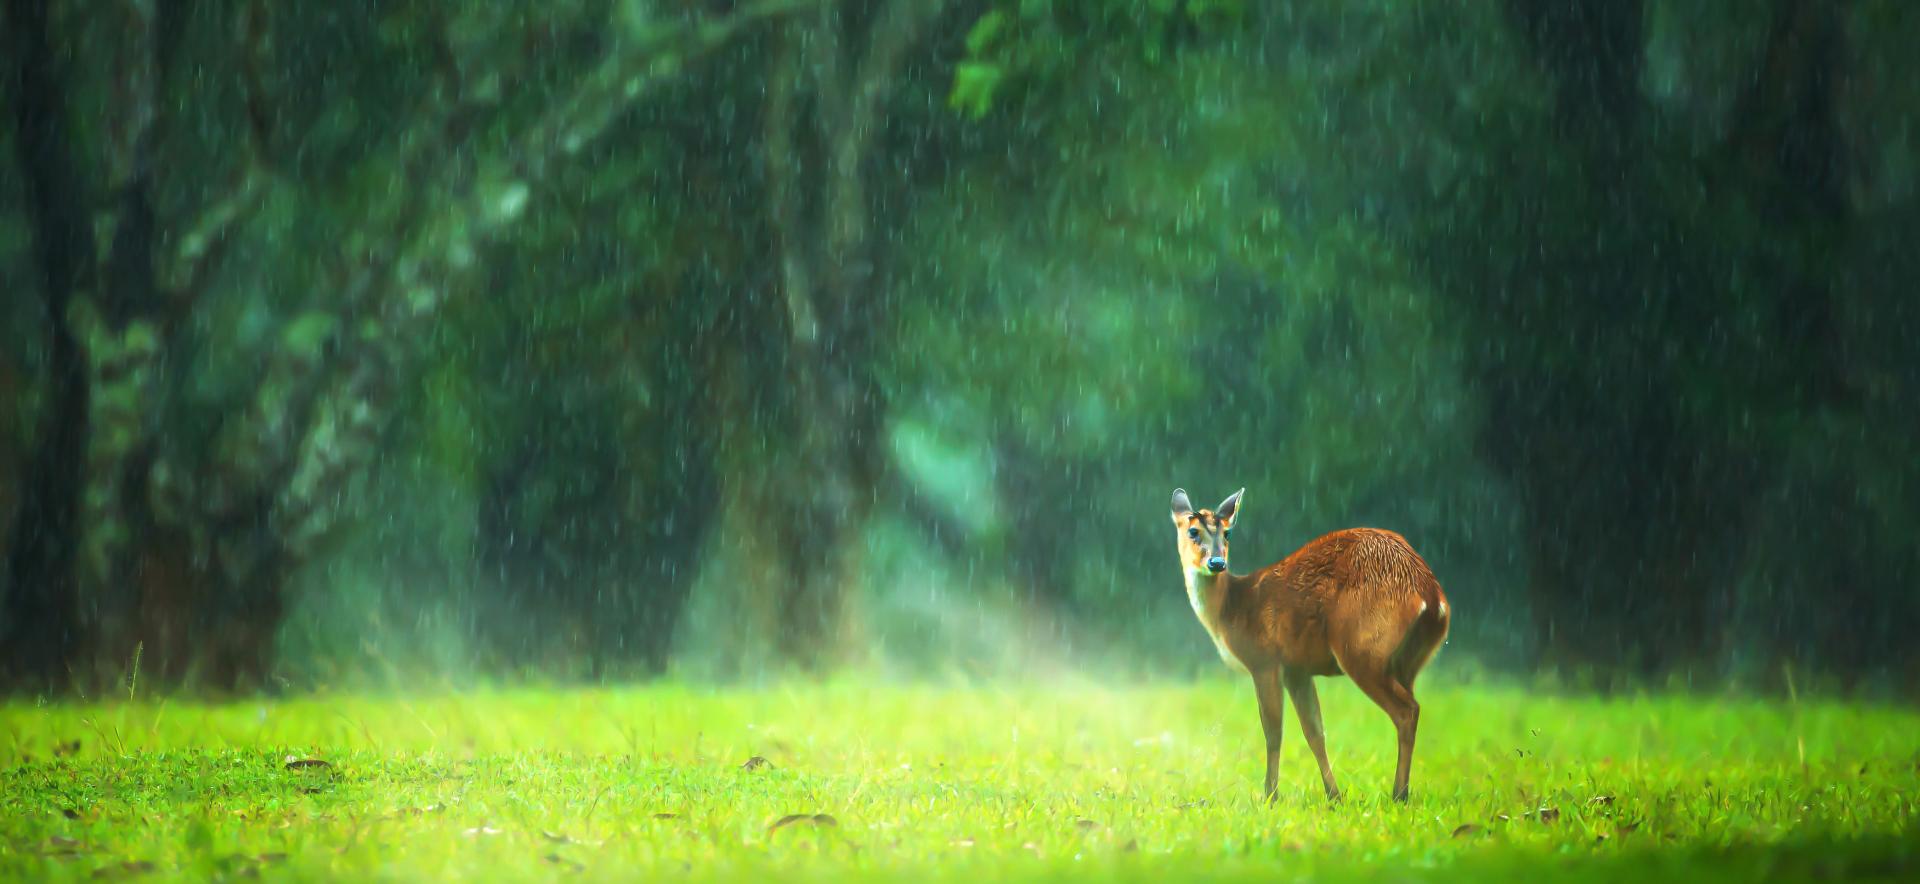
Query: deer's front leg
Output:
(1306,704)
(1273,703)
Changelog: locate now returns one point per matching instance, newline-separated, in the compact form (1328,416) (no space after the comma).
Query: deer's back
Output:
(1344,577)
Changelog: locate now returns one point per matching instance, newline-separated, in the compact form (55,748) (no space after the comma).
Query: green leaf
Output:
(973,87)
(309,332)
(985,30)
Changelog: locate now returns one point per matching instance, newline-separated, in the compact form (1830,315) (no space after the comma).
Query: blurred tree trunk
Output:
(1607,561)
(1791,160)
(1593,50)
(832,76)
(40,624)
(132,544)
(90,579)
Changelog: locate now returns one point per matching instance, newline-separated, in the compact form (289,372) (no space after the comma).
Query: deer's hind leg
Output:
(1367,654)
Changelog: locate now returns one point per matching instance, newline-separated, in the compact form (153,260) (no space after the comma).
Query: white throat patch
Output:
(1198,584)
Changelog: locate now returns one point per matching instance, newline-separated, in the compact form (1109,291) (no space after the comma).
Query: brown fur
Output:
(1358,602)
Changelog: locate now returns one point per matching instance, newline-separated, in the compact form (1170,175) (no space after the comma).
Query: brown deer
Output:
(1358,602)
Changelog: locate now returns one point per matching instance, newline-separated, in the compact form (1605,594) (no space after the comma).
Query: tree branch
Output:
(899,30)
(125,289)
(1785,123)
(823,43)
(631,70)
(459,216)
(783,201)
(858,110)
(254,32)
(182,274)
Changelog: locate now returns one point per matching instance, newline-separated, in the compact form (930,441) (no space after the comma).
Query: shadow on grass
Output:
(1876,858)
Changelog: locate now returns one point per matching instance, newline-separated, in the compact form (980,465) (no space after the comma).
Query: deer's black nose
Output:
(1216,564)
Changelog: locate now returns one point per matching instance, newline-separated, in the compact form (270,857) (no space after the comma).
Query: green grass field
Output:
(916,783)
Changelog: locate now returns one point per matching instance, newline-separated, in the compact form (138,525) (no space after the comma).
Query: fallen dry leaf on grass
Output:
(62,846)
(1601,800)
(1085,825)
(563,862)
(297,763)
(1467,829)
(666,815)
(124,870)
(482,830)
(249,866)
(417,811)
(755,763)
(815,819)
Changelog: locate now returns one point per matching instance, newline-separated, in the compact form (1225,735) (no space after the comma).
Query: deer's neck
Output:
(1208,595)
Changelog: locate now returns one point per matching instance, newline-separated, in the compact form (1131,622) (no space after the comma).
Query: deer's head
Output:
(1203,534)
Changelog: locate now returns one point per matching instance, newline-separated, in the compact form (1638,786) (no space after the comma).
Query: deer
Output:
(1357,602)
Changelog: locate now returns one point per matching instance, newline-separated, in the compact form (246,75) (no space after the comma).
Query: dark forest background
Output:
(602,338)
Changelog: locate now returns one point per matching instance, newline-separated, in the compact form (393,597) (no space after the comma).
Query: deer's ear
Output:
(1230,507)
(1181,505)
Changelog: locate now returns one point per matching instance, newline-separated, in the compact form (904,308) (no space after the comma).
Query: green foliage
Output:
(1043,41)
(1040,782)
(1366,259)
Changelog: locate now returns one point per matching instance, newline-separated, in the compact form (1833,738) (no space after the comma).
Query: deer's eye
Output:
(1193,533)
(1228,534)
